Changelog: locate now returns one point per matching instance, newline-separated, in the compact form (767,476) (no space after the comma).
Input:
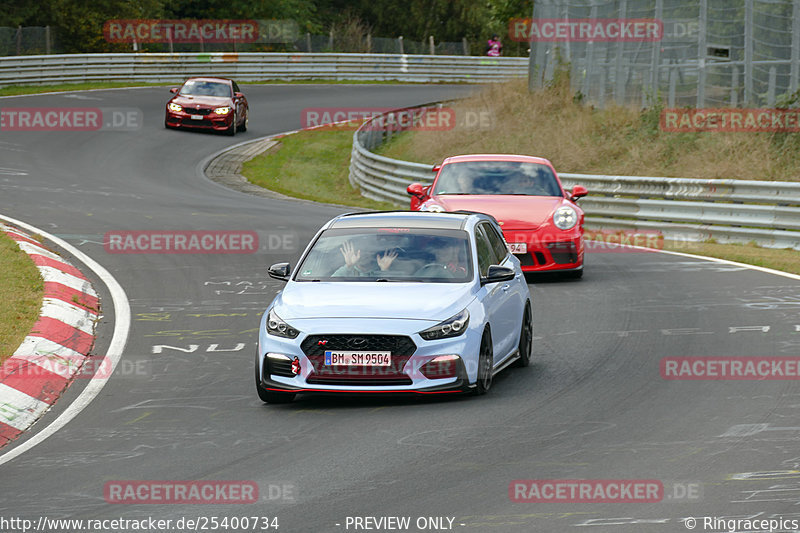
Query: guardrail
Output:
(255,66)
(766,212)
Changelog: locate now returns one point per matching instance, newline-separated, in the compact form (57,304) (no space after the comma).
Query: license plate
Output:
(337,358)
(197,117)
(518,247)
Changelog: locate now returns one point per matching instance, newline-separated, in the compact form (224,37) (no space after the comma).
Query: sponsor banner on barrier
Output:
(583,30)
(730,120)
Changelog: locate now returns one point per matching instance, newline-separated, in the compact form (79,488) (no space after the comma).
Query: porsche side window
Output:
(486,255)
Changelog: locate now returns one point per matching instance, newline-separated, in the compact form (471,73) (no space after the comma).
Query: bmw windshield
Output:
(389,254)
(497,177)
(205,88)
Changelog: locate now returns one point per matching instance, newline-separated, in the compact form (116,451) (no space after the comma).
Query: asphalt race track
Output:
(182,405)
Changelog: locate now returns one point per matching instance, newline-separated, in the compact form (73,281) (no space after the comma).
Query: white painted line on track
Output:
(122,325)
(726,262)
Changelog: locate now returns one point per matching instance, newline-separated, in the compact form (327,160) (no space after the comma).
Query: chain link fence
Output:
(712,53)
(42,40)
(34,40)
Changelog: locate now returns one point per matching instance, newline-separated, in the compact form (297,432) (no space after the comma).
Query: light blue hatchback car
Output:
(396,303)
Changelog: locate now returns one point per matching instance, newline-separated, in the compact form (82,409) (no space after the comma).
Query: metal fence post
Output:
(465,45)
(735,86)
(619,80)
(330,40)
(773,75)
(748,52)
(308,42)
(19,40)
(369,43)
(701,55)
(673,82)
(655,58)
(601,98)
(400,44)
(794,70)
(47,44)
(432,45)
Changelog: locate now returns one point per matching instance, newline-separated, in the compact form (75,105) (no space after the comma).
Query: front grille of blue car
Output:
(316,345)
(400,346)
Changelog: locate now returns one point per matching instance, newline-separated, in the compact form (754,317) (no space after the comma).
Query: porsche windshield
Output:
(497,177)
(205,88)
(389,254)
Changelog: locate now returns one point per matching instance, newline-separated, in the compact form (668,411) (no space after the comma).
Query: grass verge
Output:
(21,290)
(579,138)
(313,165)
(17,90)
(785,260)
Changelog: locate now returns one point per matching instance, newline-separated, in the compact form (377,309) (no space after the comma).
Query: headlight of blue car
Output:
(452,327)
(276,326)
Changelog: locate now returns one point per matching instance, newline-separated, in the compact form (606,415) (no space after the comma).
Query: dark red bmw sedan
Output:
(541,222)
(208,103)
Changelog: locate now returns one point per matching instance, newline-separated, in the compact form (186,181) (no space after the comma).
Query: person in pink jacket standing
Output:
(494,47)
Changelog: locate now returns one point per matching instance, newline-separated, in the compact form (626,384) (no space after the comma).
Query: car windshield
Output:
(389,254)
(497,177)
(205,88)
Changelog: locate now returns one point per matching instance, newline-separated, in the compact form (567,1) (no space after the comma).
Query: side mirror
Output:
(174,90)
(578,191)
(498,273)
(279,271)
(416,189)
(238,95)
(436,168)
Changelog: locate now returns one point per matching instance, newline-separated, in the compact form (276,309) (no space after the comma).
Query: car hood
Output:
(205,101)
(515,212)
(412,301)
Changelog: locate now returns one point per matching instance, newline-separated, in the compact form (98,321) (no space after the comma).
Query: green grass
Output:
(786,260)
(21,290)
(313,165)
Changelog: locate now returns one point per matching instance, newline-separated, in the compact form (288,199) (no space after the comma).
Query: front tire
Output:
(525,338)
(246,121)
(485,365)
(232,130)
(268,396)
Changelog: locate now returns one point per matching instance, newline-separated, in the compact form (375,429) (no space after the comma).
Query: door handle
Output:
(506,287)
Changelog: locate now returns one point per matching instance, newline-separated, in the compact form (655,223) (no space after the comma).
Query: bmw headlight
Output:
(452,327)
(222,110)
(565,217)
(432,208)
(174,107)
(276,326)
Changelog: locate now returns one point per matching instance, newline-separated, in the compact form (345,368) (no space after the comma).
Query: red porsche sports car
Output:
(208,103)
(541,222)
